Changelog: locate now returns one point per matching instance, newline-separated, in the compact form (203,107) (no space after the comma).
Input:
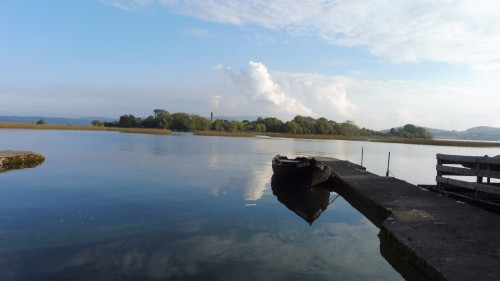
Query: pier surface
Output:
(433,237)
(14,159)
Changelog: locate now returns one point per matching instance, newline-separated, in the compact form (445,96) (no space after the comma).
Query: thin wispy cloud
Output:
(127,4)
(463,32)
(379,63)
(198,33)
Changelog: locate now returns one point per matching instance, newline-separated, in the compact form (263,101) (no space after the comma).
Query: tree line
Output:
(300,125)
(411,131)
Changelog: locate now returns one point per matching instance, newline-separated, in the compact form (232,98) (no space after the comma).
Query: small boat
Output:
(305,170)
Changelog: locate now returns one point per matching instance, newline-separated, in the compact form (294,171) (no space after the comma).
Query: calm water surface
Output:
(115,206)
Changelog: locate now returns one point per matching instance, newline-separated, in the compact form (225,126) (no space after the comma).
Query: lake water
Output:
(116,206)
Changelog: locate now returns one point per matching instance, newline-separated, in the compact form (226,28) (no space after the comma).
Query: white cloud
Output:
(327,95)
(284,95)
(261,89)
(215,100)
(127,4)
(453,31)
(274,14)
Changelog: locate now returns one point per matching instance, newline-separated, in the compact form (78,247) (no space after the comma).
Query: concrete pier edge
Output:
(424,235)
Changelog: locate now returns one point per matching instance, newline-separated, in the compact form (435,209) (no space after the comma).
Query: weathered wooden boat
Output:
(304,170)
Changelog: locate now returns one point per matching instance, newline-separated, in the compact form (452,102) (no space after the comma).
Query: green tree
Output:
(40,122)
(272,124)
(163,119)
(233,126)
(347,128)
(181,122)
(199,123)
(306,123)
(323,127)
(218,125)
(129,121)
(293,127)
(97,123)
(411,131)
(260,128)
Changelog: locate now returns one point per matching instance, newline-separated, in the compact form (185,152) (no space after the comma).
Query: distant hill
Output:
(476,133)
(482,133)
(53,120)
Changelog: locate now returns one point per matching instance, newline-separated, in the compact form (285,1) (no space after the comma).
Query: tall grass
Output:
(242,134)
(81,127)
(438,142)
(223,134)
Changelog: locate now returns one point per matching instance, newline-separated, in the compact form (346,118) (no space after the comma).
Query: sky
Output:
(381,64)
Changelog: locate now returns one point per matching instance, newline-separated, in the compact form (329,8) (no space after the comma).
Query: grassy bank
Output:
(241,134)
(224,134)
(317,137)
(360,138)
(85,128)
(438,142)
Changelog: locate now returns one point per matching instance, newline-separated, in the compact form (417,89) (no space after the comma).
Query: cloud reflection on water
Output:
(233,254)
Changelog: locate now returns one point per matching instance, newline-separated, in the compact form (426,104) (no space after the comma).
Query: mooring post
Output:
(388,161)
(361,157)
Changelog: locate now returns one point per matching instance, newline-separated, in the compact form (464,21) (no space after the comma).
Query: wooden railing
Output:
(481,167)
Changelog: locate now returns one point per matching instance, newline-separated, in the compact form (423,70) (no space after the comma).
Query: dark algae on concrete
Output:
(423,234)
(12,159)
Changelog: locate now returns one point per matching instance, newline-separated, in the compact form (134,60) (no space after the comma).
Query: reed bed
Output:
(415,141)
(224,134)
(83,128)
(317,137)
(459,143)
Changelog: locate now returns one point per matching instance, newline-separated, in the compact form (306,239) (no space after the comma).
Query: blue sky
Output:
(381,63)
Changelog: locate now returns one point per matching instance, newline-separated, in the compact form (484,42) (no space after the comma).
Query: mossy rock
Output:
(10,160)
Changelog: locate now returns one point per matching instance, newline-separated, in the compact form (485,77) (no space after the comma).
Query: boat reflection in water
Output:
(305,200)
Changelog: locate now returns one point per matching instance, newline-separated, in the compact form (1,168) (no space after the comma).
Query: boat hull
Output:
(300,170)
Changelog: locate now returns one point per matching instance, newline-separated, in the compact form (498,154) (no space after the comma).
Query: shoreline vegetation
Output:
(386,139)
(416,141)
(83,128)
(301,127)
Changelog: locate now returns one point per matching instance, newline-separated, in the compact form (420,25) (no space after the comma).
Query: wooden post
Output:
(487,169)
(439,173)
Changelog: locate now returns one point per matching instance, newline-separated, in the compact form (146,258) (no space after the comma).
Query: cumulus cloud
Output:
(293,93)
(454,31)
(260,88)
(326,94)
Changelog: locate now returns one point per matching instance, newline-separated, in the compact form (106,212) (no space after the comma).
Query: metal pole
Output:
(361,157)
(388,161)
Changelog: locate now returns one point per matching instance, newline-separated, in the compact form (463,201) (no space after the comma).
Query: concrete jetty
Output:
(14,159)
(424,235)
